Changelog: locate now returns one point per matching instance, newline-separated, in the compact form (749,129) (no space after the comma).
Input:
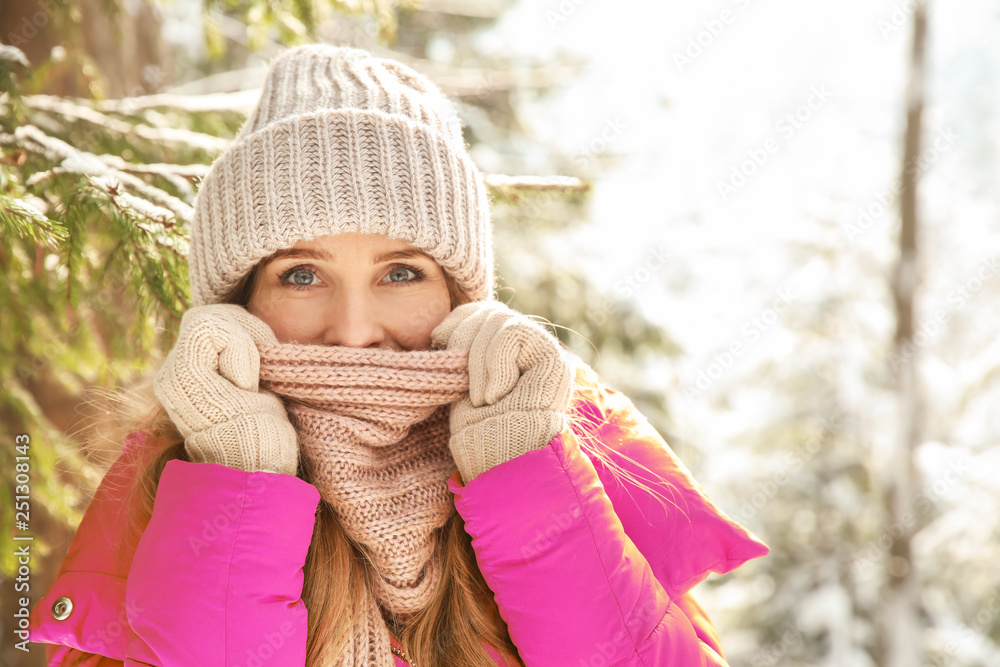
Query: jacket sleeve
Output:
(569,582)
(217,576)
(667,514)
(703,627)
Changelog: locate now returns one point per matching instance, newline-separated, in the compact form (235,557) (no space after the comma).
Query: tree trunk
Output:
(126,47)
(900,616)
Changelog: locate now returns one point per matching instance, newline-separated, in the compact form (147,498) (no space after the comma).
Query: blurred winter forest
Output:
(774,226)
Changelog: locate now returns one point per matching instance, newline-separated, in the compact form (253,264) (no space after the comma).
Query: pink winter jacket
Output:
(587,570)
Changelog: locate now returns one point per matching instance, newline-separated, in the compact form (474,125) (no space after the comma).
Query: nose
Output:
(351,320)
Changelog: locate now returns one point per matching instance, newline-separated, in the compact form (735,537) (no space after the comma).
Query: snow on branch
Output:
(81,162)
(24,218)
(241,101)
(161,135)
(556,184)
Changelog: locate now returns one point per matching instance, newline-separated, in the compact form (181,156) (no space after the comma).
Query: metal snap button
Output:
(62,608)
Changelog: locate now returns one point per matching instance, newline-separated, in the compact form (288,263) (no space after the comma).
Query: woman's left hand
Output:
(520,383)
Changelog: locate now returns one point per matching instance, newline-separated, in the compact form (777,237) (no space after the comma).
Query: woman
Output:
(352,425)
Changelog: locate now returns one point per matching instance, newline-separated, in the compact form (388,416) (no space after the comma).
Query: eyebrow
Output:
(377,258)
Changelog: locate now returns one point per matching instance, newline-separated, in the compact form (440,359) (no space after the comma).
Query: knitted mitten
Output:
(208,386)
(520,382)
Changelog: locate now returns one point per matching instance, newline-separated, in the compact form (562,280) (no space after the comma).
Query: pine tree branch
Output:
(160,135)
(240,101)
(194,172)
(22,218)
(559,184)
(81,162)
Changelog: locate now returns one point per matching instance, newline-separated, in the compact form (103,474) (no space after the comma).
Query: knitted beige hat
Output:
(341,141)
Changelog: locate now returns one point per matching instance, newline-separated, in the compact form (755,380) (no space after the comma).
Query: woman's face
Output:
(358,290)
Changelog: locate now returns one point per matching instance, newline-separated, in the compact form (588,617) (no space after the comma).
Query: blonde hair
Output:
(449,632)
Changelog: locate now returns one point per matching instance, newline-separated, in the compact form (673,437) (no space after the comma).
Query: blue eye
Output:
(304,276)
(299,277)
(399,273)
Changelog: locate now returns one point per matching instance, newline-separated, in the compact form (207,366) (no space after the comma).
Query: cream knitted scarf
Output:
(373,427)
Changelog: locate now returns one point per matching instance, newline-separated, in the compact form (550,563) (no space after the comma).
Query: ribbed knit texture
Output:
(208,384)
(341,141)
(520,384)
(373,427)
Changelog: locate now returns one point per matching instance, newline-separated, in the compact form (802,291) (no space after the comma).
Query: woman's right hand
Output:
(209,387)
